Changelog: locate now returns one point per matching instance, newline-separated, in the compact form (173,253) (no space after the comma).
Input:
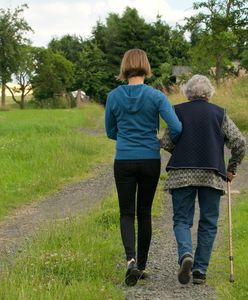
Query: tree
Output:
(244,59)
(221,24)
(54,75)
(24,75)
(12,31)
(91,72)
(163,81)
(158,46)
(212,54)
(69,45)
(179,47)
(120,34)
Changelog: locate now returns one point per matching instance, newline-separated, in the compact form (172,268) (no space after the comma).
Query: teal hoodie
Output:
(132,118)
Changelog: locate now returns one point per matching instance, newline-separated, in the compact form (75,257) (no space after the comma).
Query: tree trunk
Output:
(218,71)
(22,101)
(228,8)
(3,98)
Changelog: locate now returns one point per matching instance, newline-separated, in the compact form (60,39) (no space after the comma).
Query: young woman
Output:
(132,119)
(197,167)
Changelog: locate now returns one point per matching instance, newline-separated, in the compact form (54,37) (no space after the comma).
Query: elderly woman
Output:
(197,167)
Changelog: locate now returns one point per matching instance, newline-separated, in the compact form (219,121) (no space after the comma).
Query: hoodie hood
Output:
(132,99)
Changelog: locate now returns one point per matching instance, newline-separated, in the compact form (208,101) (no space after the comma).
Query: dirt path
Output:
(163,284)
(73,199)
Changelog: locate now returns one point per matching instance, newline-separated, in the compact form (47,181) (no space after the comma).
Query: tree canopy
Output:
(54,75)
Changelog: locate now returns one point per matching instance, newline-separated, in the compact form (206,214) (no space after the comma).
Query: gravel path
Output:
(162,283)
(74,199)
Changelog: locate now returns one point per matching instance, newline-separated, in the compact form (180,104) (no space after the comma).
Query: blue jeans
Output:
(183,214)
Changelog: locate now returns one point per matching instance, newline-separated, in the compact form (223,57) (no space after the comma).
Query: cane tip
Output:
(231,278)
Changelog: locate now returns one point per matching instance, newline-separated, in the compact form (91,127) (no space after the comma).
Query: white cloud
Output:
(149,9)
(57,18)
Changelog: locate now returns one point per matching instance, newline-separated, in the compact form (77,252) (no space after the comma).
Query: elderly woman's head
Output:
(198,87)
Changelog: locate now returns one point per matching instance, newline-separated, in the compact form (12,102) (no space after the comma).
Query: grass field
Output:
(40,151)
(219,268)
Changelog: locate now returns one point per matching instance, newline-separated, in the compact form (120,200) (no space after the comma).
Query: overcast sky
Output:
(56,18)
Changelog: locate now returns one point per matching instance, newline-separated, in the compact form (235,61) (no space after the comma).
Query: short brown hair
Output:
(134,63)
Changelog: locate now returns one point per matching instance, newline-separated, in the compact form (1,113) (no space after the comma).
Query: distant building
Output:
(179,70)
(80,97)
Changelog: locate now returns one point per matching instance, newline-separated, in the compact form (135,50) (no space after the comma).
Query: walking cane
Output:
(231,279)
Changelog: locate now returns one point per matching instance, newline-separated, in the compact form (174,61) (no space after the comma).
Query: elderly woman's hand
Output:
(230,176)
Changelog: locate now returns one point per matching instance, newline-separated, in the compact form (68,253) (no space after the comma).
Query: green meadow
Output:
(42,150)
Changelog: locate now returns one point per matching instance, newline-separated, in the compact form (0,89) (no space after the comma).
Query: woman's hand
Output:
(230,176)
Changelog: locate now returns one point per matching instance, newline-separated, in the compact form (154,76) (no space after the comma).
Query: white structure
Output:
(80,96)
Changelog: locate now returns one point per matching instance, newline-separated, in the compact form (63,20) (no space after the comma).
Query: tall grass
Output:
(219,267)
(233,95)
(40,150)
(11,104)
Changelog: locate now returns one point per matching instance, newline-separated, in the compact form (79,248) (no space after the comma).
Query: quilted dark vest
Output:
(201,144)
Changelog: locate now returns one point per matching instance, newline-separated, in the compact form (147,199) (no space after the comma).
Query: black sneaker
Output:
(198,277)
(132,274)
(184,272)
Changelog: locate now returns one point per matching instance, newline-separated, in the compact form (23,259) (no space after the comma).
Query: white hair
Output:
(198,86)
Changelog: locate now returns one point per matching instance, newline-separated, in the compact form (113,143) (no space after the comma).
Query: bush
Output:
(60,102)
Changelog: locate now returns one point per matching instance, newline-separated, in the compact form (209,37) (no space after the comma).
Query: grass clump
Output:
(234,97)
(219,267)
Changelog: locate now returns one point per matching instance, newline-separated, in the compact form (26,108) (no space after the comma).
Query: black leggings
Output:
(141,176)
